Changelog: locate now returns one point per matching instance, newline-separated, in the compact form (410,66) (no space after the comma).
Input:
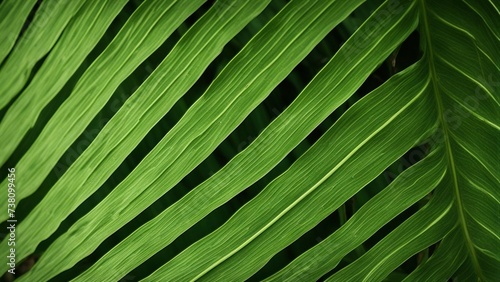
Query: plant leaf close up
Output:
(139,142)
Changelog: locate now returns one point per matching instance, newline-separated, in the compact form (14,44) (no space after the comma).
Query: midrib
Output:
(447,144)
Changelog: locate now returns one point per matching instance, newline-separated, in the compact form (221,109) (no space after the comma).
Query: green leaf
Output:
(310,182)
(170,77)
(444,262)
(76,42)
(409,187)
(466,103)
(304,109)
(17,68)
(149,26)
(427,226)
(256,160)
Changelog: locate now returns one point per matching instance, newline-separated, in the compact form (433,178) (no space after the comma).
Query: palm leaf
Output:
(14,13)
(436,220)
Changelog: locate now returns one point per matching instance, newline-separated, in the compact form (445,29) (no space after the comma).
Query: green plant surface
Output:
(87,27)
(261,140)
(153,23)
(49,21)
(13,14)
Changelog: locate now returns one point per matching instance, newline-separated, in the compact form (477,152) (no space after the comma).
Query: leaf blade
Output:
(240,172)
(409,187)
(246,241)
(13,14)
(17,68)
(75,43)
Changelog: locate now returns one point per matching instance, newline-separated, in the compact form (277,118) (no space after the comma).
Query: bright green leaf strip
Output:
(408,188)
(76,42)
(13,14)
(466,271)
(443,263)
(193,53)
(144,32)
(424,228)
(149,26)
(468,104)
(325,93)
(245,82)
(351,154)
(49,22)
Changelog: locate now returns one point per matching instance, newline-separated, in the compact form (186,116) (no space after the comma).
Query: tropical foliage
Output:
(302,140)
